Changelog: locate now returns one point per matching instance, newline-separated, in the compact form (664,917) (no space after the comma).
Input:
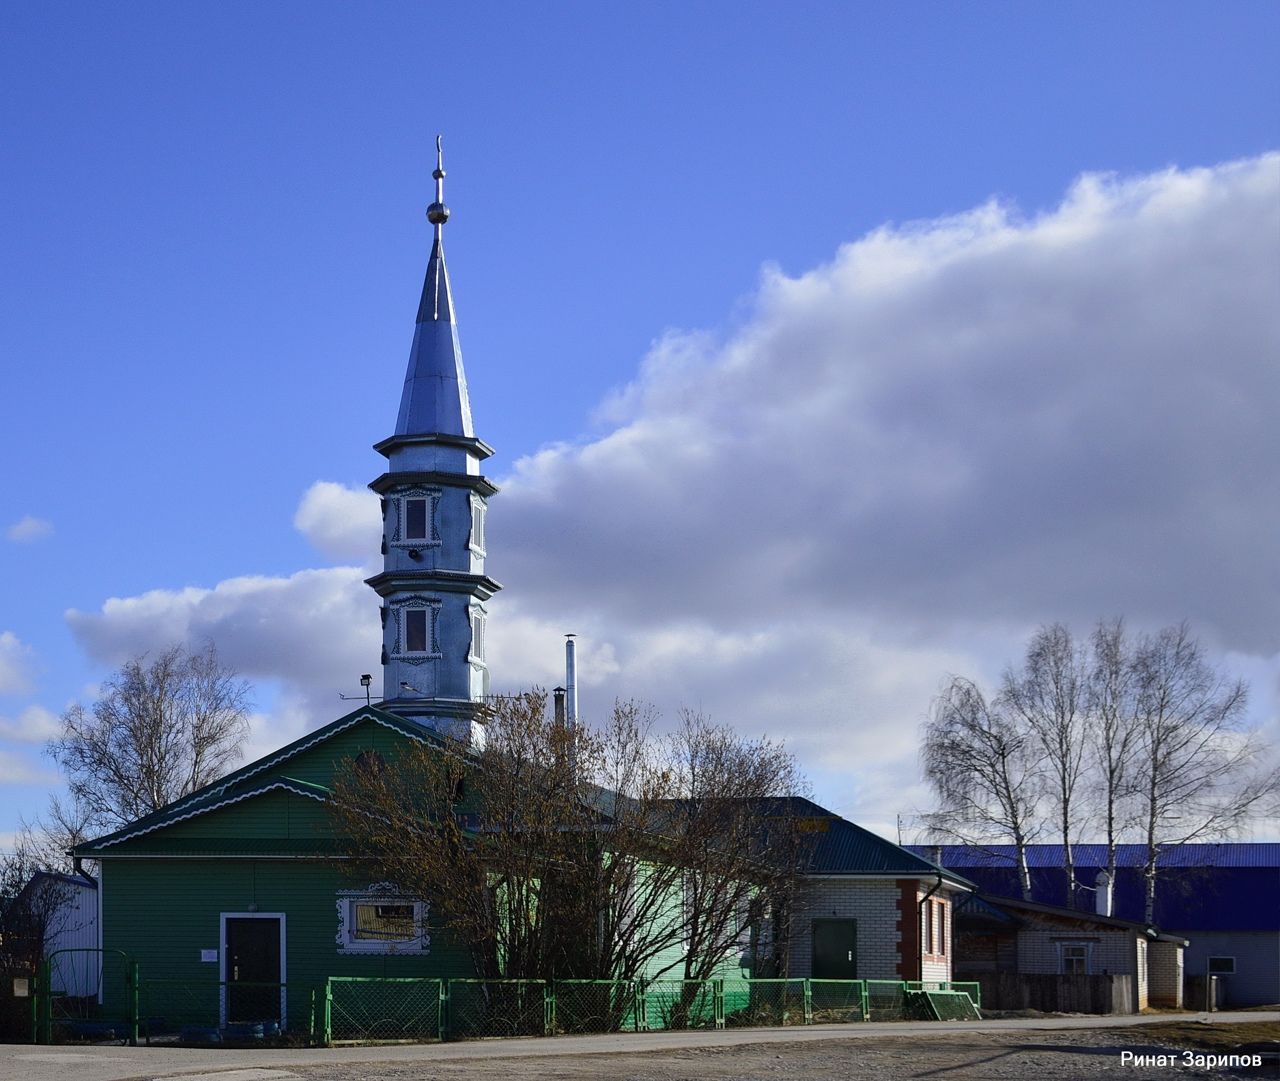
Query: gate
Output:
(86,994)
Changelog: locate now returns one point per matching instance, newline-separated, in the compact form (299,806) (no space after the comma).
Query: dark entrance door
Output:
(835,950)
(253,959)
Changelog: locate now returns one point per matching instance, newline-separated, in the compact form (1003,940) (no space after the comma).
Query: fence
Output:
(370,1009)
(357,1009)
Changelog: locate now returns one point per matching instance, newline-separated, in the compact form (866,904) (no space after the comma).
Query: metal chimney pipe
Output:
(1103,896)
(570,683)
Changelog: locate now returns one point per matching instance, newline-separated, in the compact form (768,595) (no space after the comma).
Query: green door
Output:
(835,950)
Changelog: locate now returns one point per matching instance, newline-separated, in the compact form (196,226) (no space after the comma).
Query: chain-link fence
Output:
(86,995)
(581,1006)
(373,1010)
(886,1000)
(483,1008)
(683,1004)
(834,1002)
(755,1003)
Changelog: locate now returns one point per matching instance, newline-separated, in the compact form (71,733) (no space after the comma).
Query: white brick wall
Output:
(874,904)
(1164,960)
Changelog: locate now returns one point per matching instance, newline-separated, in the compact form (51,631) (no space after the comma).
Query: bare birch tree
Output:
(1200,773)
(1113,708)
(986,772)
(1049,696)
(161,728)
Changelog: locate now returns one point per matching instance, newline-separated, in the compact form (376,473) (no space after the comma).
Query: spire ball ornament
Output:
(437,212)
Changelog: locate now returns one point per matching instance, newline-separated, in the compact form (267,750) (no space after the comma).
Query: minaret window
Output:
(477,634)
(477,524)
(416,519)
(415,637)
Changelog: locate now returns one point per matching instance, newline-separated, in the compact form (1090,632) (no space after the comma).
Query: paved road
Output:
(60,1063)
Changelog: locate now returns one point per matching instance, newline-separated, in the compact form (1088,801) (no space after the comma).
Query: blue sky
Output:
(214,242)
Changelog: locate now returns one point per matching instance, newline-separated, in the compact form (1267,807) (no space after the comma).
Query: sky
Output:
(828,349)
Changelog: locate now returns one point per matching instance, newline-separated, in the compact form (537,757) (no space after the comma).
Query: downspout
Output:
(920,918)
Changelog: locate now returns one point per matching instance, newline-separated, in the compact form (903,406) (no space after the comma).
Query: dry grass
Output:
(1208,1036)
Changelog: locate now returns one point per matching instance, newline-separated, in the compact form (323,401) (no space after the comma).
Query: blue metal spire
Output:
(435,399)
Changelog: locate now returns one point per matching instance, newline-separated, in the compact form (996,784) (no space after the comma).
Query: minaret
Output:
(433,586)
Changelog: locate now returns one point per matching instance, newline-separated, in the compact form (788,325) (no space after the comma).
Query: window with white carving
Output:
(477,634)
(477,524)
(380,920)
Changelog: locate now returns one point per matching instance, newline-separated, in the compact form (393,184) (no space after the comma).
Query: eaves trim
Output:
(286,786)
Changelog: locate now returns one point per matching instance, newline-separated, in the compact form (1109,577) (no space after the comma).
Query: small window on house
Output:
(928,927)
(1074,958)
(942,928)
(477,634)
(1222,966)
(415,519)
(381,923)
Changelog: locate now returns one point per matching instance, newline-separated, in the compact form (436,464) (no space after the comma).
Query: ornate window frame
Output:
(479,619)
(385,893)
(475,538)
(432,606)
(399,516)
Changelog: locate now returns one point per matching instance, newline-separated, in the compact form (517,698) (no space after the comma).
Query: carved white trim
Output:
(381,893)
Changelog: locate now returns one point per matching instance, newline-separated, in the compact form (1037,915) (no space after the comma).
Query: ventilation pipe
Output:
(1103,896)
(571,700)
(570,683)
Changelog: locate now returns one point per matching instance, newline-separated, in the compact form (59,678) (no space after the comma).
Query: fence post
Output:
(35,1006)
(866,1002)
(311,1018)
(133,1003)
(808,1002)
(328,1012)
(442,1017)
(548,1008)
(717,1001)
(46,1002)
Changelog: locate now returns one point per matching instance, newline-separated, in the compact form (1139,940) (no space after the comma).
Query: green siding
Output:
(163,912)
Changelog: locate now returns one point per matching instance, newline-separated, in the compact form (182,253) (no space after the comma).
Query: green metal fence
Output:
(369,1010)
(357,1009)
(85,994)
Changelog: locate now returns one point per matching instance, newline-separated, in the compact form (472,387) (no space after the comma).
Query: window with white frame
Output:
(477,524)
(381,920)
(477,634)
(1074,958)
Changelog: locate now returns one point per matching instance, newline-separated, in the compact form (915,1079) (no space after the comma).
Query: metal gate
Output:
(86,994)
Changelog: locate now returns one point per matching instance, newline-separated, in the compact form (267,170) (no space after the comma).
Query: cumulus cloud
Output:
(340,522)
(16,660)
(29,529)
(35,724)
(894,467)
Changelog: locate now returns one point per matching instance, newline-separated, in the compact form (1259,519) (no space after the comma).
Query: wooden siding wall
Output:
(163,912)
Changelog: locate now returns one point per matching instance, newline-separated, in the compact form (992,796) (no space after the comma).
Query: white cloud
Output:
(894,468)
(29,529)
(16,660)
(340,522)
(35,724)
(16,768)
